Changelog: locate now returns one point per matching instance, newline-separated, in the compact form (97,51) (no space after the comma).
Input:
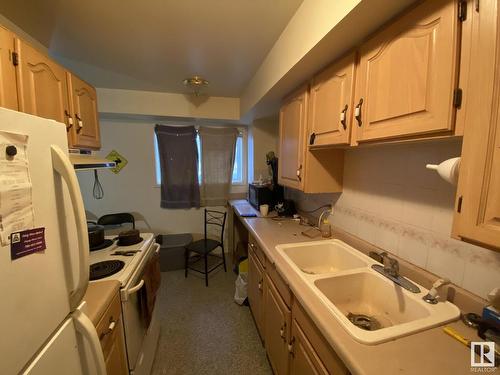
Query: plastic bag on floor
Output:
(241,292)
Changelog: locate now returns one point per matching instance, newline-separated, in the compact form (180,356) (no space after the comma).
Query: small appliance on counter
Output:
(259,195)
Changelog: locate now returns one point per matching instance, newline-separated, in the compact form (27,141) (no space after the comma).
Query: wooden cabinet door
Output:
(85,131)
(292,143)
(477,216)
(330,104)
(277,329)
(256,291)
(116,361)
(8,86)
(42,86)
(407,74)
(303,358)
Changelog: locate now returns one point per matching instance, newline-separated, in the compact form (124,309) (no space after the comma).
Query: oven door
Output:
(133,317)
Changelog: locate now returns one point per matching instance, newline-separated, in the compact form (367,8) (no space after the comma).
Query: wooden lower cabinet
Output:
(303,358)
(256,291)
(277,329)
(111,335)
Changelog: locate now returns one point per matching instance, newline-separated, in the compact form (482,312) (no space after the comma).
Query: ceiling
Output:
(155,44)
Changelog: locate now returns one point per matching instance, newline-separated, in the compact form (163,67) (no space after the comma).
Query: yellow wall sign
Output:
(120,161)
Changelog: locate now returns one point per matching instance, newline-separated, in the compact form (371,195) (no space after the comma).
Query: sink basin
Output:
(387,310)
(323,257)
(370,307)
(367,294)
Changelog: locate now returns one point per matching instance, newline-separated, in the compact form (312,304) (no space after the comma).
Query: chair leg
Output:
(223,258)
(186,258)
(206,270)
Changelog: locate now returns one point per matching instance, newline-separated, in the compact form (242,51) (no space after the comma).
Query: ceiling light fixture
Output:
(195,83)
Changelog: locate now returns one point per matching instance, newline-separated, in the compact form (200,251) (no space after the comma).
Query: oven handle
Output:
(136,288)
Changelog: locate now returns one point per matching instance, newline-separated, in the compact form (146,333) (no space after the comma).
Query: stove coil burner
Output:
(104,269)
(368,323)
(103,245)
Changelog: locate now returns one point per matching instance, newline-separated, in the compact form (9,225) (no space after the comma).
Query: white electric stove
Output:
(141,339)
(130,262)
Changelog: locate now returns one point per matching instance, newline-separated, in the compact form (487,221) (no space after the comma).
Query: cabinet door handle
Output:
(282,331)
(290,346)
(80,123)
(260,285)
(357,112)
(299,173)
(69,119)
(343,117)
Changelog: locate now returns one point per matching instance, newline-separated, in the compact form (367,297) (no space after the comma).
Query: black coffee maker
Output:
(277,190)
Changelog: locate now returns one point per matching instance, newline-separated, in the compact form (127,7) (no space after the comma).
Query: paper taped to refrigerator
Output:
(16,205)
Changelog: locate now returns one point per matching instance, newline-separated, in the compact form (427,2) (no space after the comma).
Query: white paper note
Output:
(16,205)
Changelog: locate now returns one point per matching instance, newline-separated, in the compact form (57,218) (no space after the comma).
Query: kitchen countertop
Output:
(98,297)
(427,352)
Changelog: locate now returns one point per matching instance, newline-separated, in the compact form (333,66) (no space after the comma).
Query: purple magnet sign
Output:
(27,242)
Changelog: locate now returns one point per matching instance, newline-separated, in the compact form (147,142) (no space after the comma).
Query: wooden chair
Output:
(204,247)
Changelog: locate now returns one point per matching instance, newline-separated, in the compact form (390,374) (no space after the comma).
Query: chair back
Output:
(215,221)
(117,219)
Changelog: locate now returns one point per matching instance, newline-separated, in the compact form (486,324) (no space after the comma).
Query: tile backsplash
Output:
(392,201)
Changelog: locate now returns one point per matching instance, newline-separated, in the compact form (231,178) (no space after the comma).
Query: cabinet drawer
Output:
(252,245)
(279,283)
(323,349)
(108,326)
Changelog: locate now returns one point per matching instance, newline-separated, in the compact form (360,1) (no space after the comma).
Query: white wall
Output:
(390,200)
(265,136)
(134,189)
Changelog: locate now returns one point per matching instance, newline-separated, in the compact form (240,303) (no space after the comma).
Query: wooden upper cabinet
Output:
(407,75)
(85,130)
(330,104)
(42,85)
(8,86)
(477,216)
(292,131)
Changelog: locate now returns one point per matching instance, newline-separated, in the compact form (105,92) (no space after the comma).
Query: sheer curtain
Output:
(178,154)
(218,146)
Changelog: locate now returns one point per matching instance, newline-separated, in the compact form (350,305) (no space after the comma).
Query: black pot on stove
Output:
(96,235)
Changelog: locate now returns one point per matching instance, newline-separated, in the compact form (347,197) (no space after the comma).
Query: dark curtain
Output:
(179,166)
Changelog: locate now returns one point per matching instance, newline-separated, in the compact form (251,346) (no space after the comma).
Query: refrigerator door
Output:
(37,289)
(65,354)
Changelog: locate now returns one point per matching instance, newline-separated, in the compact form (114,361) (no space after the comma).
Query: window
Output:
(238,169)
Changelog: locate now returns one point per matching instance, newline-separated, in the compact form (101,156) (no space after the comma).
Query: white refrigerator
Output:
(44,254)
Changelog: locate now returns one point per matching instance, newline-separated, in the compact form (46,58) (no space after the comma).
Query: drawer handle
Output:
(111,328)
(357,112)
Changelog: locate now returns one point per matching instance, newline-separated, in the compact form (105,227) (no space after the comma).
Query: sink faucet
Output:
(390,269)
(391,265)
